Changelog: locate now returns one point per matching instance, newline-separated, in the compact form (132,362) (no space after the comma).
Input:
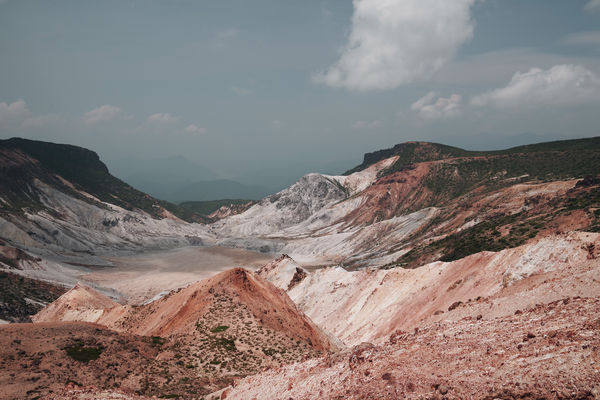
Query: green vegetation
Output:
(413,152)
(157,341)
(505,231)
(220,328)
(484,236)
(78,351)
(225,343)
(465,171)
(450,180)
(208,207)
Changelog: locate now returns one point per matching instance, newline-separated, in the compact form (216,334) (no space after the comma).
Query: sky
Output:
(252,88)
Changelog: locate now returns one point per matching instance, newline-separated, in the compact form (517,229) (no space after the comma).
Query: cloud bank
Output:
(561,85)
(101,114)
(428,107)
(14,110)
(195,130)
(162,118)
(398,42)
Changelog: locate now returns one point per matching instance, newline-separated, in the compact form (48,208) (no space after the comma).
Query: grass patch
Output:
(220,328)
(225,343)
(82,353)
(157,341)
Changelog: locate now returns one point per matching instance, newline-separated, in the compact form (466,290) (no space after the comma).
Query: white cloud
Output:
(240,91)
(561,85)
(162,118)
(195,130)
(367,124)
(13,111)
(397,42)
(101,114)
(16,115)
(592,5)
(432,107)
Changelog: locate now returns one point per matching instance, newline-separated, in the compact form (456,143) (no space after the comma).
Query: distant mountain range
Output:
(178,179)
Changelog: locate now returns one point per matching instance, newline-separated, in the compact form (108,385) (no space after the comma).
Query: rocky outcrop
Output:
(283,272)
(290,207)
(369,304)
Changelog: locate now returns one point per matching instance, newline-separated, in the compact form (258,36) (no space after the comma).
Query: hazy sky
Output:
(287,84)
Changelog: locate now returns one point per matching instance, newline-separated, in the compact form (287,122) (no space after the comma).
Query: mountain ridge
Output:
(436,151)
(83,168)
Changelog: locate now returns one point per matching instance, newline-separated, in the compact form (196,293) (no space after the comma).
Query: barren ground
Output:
(141,277)
(545,351)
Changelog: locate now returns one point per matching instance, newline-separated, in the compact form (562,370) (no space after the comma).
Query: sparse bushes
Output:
(82,353)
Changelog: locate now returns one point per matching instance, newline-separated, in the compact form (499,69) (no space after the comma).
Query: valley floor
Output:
(141,277)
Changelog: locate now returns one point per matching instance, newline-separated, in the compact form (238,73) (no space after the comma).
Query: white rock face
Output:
(306,221)
(359,181)
(369,304)
(283,272)
(287,208)
(75,225)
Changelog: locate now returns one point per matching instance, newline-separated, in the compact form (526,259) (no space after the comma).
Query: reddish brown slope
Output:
(547,351)
(41,359)
(81,303)
(180,312)
(231,325)
(393,195)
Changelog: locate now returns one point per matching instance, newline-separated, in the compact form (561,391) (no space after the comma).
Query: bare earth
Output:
(549,351)
(141,277)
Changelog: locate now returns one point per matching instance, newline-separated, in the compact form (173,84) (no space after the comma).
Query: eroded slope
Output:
(545,351)
(369,304)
